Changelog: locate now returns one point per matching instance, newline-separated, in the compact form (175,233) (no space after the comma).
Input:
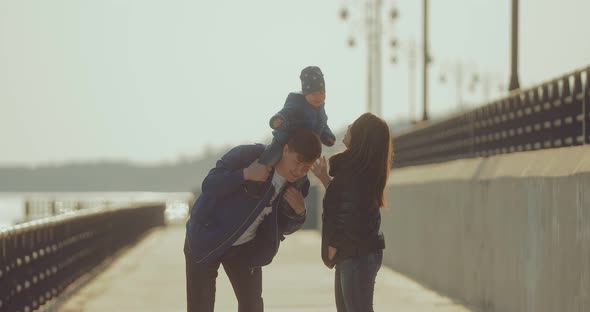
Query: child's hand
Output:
(257,172)
(330,141)
(277,122)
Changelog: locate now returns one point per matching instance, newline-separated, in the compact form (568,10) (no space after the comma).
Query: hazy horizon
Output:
(150,82)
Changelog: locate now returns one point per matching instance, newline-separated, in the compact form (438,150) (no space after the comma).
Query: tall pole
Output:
(486,82)
(377,59)
(373,23)
(369,25)
(412,81)
(459,78)
(425,62)
(514,63)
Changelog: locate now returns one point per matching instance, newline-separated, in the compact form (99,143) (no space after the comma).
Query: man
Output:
(241,229)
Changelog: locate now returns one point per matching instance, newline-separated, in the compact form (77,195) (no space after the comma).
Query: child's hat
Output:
(312,80)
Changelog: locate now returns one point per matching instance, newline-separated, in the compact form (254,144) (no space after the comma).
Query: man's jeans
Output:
(246,282)
(355,282)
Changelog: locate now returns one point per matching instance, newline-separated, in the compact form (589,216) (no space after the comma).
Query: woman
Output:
(351,239)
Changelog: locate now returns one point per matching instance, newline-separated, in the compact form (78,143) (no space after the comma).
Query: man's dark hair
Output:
(305,143)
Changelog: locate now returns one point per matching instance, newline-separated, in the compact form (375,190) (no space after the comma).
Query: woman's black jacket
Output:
(349,223)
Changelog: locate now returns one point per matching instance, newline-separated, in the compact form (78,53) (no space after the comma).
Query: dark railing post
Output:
(27,210)
(545,106)
(52,208)
(578,103)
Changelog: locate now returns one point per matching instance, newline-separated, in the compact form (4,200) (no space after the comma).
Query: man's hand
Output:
(257,172)
(332,252)
(295,199)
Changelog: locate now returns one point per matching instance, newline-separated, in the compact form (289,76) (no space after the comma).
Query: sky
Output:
(153,81)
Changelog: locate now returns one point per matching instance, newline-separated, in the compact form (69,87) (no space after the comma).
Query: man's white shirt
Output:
(277,181)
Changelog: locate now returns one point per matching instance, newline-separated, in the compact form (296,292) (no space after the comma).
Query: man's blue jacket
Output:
(223,211)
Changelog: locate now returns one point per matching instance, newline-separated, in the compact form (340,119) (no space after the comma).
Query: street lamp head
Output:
(393,43)
(394,14)
(344,14)
(351,42)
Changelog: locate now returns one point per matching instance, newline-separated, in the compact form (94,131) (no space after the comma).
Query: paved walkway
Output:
(150,277)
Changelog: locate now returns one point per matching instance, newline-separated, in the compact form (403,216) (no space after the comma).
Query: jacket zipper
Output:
(281,193)
(239,227)
(283,188)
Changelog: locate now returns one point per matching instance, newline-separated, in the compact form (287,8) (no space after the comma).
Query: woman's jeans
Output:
(355,282)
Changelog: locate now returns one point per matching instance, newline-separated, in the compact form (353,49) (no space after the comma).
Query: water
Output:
(12,205)
(11,209)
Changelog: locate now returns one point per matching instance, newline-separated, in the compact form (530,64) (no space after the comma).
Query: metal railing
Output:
(40,259)
(550,115)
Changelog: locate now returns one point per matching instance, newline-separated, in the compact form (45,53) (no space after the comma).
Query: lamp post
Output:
(457,72)
(409,51)
(425,60)
(466,76)
(372,26)
(514,84)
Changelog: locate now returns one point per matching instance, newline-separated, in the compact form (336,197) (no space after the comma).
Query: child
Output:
(303,109)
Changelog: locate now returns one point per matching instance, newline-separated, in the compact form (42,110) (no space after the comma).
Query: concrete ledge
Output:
(542,163)
(504,233)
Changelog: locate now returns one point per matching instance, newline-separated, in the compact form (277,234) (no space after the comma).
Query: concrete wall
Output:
(505,233)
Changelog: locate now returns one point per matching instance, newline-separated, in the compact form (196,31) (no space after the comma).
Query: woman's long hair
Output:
(369,155)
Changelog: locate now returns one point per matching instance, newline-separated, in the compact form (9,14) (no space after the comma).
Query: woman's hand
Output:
(320,170)
(332,252)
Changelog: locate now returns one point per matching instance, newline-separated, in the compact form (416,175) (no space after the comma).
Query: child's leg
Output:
(272,154)
(269,157)
(327,137)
